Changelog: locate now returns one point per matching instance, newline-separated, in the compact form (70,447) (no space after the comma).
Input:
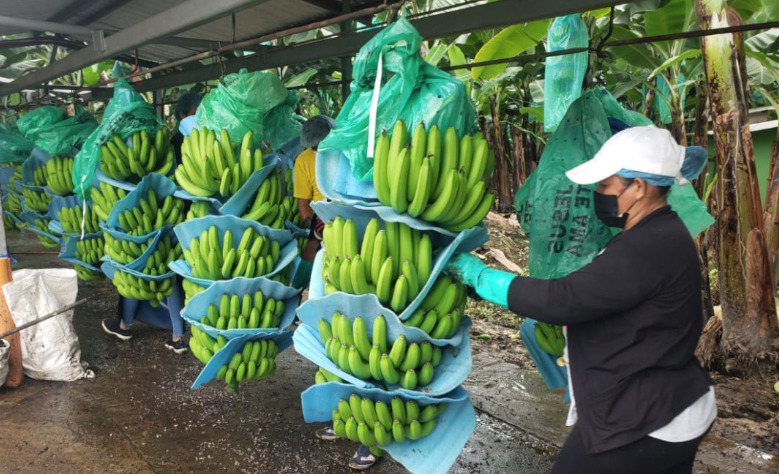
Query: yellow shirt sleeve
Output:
(305,176)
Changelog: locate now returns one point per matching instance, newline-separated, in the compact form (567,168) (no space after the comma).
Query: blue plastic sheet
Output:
(100,177)
(435,453)
(554,375)
(198,304)
(189,230)
(350,201)
(464,241)
(162,186)
(282,338)
(37,159)
(30,217)
(109,267)
(68,251)
(456,362)
(65,202)
(237,204)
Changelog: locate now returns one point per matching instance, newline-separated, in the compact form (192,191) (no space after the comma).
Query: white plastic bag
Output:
(5,355)
(50,349)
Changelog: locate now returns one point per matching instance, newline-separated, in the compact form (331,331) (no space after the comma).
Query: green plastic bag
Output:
(13,145)
(244,101)
(557,215)
(416,92)
(563,75)
(42,117)
(126,113)
(57,137)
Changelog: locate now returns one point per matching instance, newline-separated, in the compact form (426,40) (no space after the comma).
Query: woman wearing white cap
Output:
(641,402)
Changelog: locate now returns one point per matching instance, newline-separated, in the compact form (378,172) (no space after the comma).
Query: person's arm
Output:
(611,283)
(305,211)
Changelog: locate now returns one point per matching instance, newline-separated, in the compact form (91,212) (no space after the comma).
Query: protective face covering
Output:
(606,208)
(186,125)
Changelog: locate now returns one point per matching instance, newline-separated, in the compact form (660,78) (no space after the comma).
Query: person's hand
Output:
(490,284)
(465,267)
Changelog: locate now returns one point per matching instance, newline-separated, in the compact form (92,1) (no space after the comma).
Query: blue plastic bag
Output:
(189,230)
(456,362)
(282,338)
(198,305)
(435,453)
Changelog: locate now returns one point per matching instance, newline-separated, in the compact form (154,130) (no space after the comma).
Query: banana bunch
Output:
(393,263)
(146,155)
(90,250)
(372,423)
(283,276)
(190,289)
(274,203)
(137,288)
(13,204)
(247,312)
(550,338)
(36,201)
(439,179)
(39,176)
(441,311)
(348,345)
(158,261)
(8,222)
(124,251)
(70,219)
(103,199)
(324,376)
(86,274)
(209,166)
(151,214)
(15,178)
(59,174)
(43,224)
(211,259)
(197,209)
(255,361)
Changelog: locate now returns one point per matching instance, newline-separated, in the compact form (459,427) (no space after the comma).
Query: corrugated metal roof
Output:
(254,21)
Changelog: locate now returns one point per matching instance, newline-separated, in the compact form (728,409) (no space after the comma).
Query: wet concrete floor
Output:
(139,414)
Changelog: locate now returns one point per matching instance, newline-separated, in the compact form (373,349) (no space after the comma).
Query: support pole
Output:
(15,374)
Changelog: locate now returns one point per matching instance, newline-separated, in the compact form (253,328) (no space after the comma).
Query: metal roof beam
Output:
(50,26)
(457,22)
(186,15)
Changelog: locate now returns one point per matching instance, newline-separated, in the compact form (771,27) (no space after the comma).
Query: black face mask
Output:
(607,209)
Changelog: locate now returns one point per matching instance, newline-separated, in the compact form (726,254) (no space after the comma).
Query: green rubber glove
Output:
(492,285)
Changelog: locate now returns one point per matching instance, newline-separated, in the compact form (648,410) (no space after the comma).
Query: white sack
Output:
(50,350)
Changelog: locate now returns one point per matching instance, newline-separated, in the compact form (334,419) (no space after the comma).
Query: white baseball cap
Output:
(648,150)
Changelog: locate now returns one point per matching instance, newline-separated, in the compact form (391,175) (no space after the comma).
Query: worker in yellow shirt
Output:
(314,131)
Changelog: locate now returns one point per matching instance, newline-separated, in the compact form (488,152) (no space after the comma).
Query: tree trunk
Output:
(745,285)
(771,213)
(502,173)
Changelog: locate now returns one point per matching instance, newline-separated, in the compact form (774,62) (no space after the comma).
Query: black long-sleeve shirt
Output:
(634,318)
